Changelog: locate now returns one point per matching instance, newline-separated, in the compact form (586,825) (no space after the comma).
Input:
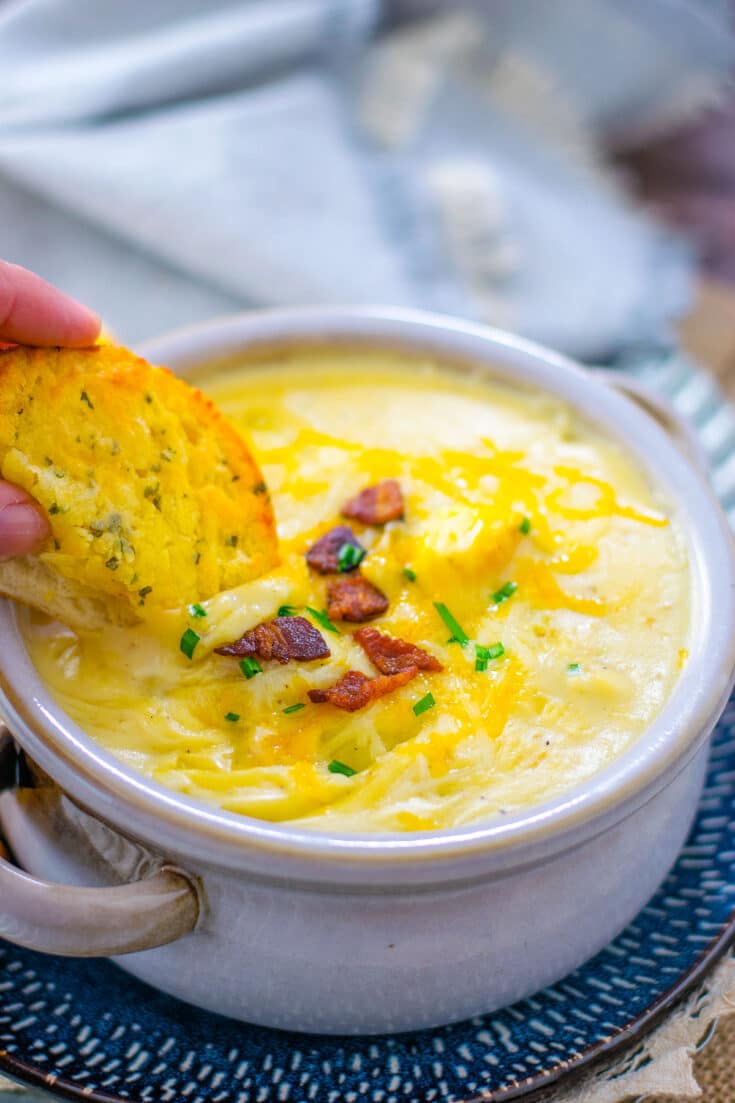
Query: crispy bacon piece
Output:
(283,639)
(322,556)
(354,690)
(376,505)
(391,655)
(355,599)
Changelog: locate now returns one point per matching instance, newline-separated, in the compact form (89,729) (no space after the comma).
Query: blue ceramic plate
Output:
(85,1030)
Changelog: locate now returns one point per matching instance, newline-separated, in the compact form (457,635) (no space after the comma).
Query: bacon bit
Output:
(391,655)
(376,505)
(324,555)
(283,639)
(355,599)
(354,689)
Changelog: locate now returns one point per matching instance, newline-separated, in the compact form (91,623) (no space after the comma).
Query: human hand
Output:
(32,312)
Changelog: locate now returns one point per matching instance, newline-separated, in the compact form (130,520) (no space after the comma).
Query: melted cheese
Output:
(594,635)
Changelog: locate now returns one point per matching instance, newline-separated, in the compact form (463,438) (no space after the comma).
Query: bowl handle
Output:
(661,411)
(93,922)
(101,922)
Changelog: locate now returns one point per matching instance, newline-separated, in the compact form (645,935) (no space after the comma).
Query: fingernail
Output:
(23,528)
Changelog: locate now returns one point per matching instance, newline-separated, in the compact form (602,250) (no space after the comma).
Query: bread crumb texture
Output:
(153,497)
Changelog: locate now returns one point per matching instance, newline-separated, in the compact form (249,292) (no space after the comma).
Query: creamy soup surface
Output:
(539,540)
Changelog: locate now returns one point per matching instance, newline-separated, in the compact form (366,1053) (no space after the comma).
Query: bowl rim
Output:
(175,823)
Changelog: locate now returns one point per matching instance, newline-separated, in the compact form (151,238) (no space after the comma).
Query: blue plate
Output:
(85,1030)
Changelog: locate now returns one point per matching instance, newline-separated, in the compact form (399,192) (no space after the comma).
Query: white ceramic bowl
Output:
(368,933)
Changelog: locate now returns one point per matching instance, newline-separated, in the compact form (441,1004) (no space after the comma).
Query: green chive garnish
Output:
(287,610)
(188,642)
(504,592)
(574,668)
(336,767)
(233,717)
(349,557)
(197,610)
(424,704)
(525,526)
(295,708)
(410,574)
(250,667)
(458,633)
(484,655)
(320,616)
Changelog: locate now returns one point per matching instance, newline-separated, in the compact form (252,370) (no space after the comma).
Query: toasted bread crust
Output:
(153,498)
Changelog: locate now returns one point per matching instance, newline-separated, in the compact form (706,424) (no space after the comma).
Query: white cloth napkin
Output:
(280,152)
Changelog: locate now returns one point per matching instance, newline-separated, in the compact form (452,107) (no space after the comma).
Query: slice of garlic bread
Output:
(154,499)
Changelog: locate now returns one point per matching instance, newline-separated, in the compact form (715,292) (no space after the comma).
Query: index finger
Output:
(33,312)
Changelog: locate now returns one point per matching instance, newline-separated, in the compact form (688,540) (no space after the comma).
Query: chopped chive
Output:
(188,642)
(349,557)
(85,398)
(458,633)
(197,610)
(410,574)
(250,667)
(484,655)
(294,708)
(504,592)
(525,526)
(233,717)
(574,668)
(424,704)
(336,767)
(320,616)
(287,610)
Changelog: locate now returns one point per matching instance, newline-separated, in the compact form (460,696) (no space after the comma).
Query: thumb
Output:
(23,525)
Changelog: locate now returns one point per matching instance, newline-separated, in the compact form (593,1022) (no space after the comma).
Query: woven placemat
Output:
(714,1067)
